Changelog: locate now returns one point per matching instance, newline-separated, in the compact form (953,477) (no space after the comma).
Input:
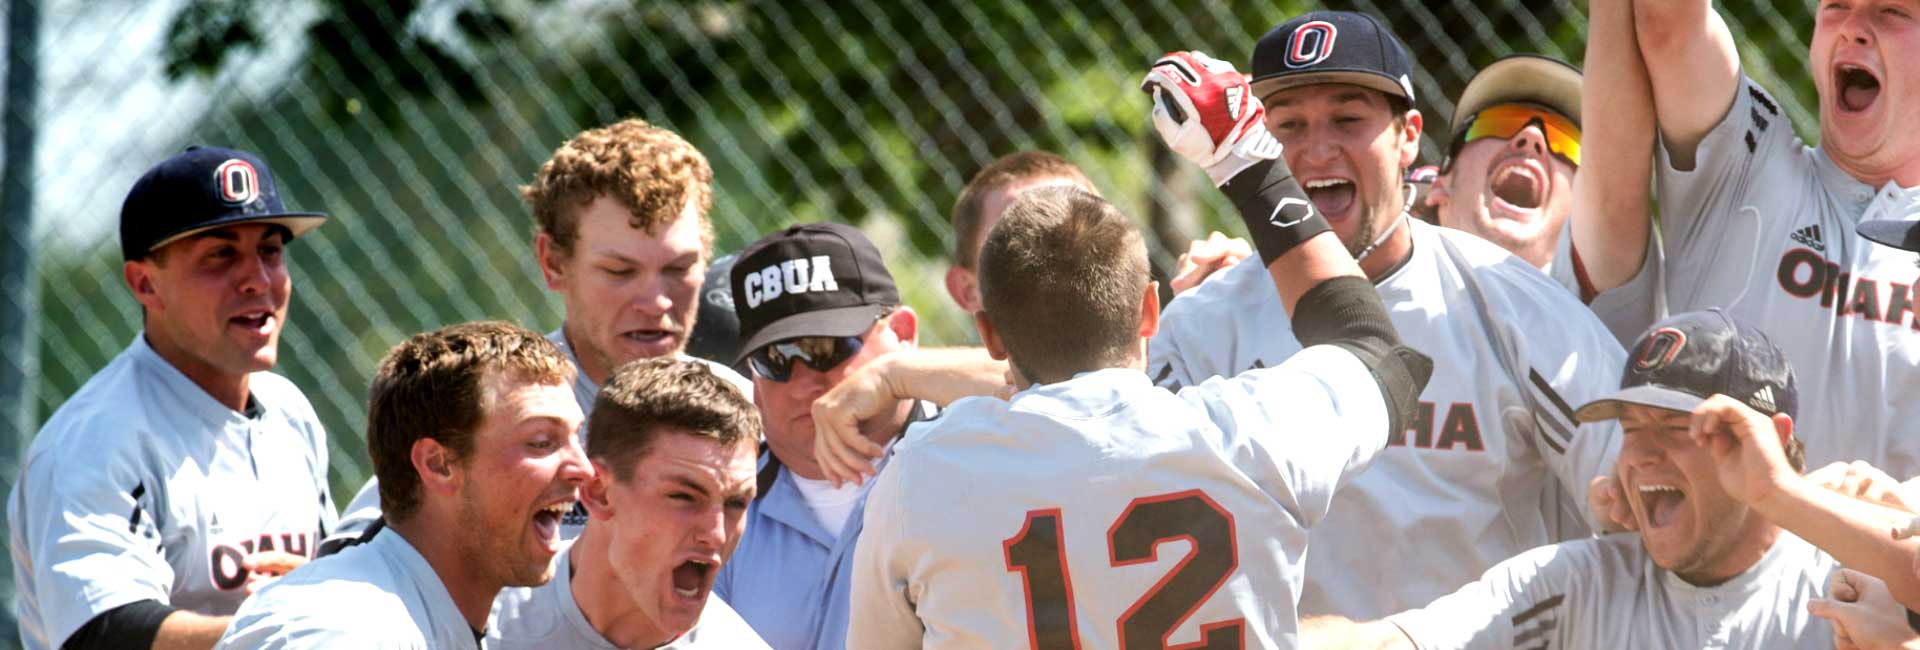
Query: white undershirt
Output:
(831,505)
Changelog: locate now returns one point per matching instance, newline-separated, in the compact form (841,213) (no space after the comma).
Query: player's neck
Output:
(1390,254)
(1753,547)
(604,602)
(444,545)
(1904,172)
(590,364)
(227,388)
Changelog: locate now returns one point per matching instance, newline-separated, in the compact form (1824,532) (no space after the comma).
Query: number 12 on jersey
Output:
(1037,555)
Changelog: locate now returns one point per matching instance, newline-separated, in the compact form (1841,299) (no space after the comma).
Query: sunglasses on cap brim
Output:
(1504,121)
(821,353)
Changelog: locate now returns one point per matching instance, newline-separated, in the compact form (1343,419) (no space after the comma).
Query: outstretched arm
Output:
(1612,192)
(1699,71)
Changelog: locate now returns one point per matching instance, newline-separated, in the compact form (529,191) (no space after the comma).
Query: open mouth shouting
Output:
(1856,88)
(1662,504)
(693,578)
(651,341)
(1333,197)
(1518,185)
(546,524)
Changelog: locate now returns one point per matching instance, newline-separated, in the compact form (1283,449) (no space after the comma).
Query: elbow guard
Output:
(1346,311)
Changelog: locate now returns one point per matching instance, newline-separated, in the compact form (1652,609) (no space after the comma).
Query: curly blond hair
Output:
(652,171)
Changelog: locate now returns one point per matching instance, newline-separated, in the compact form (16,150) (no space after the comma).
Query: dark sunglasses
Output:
(821,353)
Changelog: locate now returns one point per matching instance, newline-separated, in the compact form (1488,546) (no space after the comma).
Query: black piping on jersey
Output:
(133,519)
(763,482)
(1560,404)
(1545,627)
(333,546)
(1500,351)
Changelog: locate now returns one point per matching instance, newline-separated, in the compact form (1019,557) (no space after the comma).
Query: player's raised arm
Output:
(1699,72)
(1613,192)
(1206,111)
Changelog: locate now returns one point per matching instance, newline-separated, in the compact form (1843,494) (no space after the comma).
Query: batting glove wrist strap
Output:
(1205,111)
(1274,207)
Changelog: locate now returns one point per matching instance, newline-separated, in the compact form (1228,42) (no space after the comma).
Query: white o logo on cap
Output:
(237,180)
(1310,43)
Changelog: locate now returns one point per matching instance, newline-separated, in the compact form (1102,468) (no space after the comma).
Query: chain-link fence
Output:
(413,123)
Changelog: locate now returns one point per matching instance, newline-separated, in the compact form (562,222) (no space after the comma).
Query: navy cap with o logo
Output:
(200,189)
(1683,360)
(813,279)
(1331,47)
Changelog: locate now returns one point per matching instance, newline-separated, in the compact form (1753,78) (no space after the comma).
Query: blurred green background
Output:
(414,122)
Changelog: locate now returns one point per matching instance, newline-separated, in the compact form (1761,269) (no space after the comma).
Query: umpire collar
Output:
(770,471)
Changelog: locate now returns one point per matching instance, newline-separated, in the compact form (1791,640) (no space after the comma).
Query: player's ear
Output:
(594,493)
(989,337)
(905,325)
(551,260)
(1410,139)
(1150,311)
(139,275)
(961,285)
(1440,193)
(435,464)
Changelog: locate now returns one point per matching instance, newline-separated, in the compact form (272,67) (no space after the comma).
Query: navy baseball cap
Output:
(1902,234)
(200,189)
(1332,47)
(814,279)
(1683,360)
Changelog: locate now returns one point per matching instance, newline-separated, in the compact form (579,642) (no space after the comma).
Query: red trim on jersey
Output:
(1587,292)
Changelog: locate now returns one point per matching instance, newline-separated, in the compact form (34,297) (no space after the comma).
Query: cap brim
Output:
(1660,397)
(842,321)
(1903,235)
(1521,78)
(1273,83)
(296,222)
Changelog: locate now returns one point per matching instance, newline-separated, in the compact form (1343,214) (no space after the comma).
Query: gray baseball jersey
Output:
(1763,227)
(1625,310)
(1606,593)
(143,487)
(381,594)
(1103,512)
(1512,352)
(365,506)
(547,618)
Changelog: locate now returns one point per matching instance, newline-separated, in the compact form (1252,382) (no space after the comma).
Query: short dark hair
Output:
(435,386)
(1006,170)
(1061,279)
(647,396)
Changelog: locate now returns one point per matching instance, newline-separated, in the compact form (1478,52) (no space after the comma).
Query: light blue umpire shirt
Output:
(789,578)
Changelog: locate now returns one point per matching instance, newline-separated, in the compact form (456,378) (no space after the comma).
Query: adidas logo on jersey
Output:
(1810,236)
(1763,399)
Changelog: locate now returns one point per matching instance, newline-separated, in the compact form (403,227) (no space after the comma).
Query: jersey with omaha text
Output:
(143,487)
(1606,592)
(1763,227)
(547,618)
(365,506)
(1472,477)
(1103,512)
(381,594)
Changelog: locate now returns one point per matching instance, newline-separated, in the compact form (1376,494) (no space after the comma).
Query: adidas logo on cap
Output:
(1763,399)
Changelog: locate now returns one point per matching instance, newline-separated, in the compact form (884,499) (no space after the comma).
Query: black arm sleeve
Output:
(1274,208)
(1346,311)
(133,625)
